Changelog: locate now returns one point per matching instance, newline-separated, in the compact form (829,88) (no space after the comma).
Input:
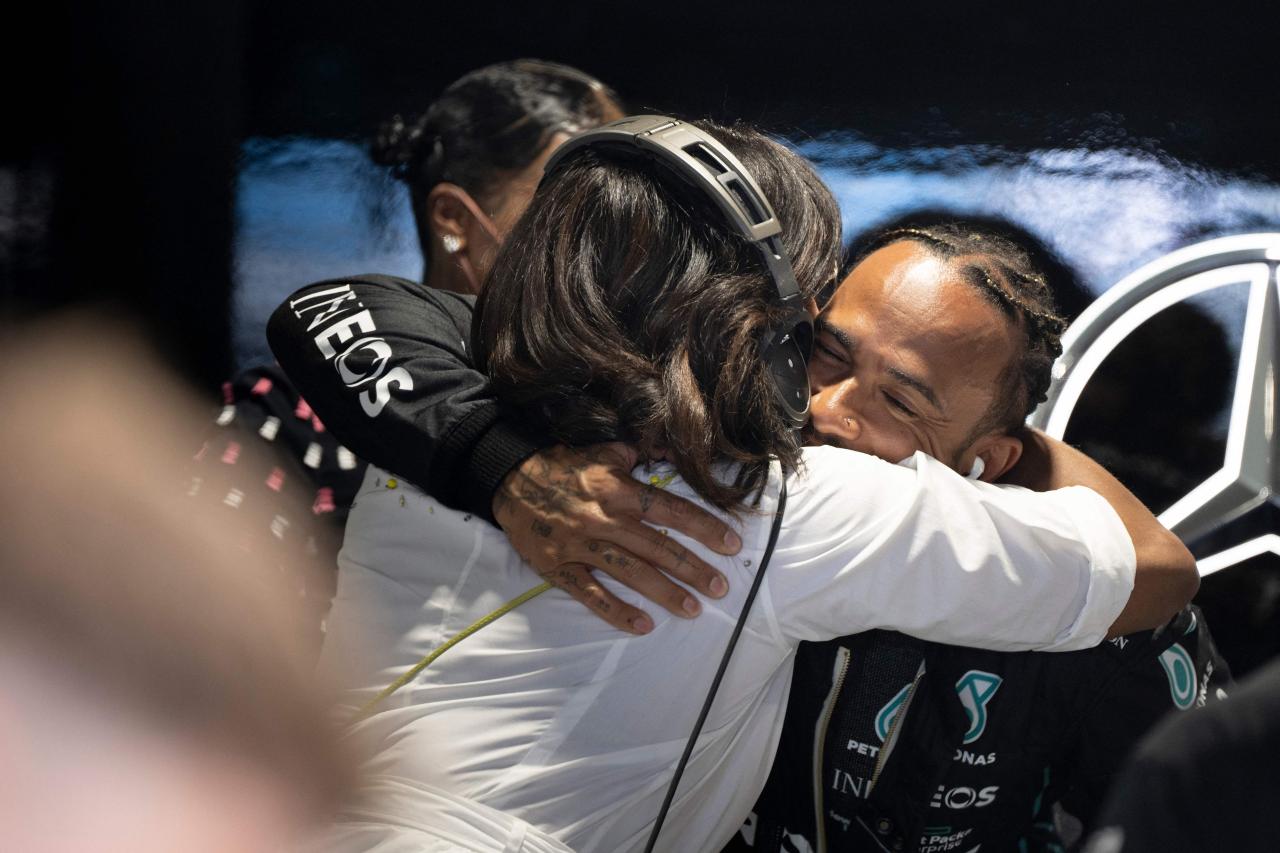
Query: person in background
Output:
(1201,782)
(470,163)
(157,693)
(473,159)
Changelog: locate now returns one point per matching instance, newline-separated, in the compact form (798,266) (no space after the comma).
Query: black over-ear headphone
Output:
(702,161)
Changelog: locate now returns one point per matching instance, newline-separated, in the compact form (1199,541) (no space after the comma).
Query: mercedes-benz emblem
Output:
(1250,472)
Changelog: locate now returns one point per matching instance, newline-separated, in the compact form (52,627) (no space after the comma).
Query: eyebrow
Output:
(916,383)
(851,344)
(825,325)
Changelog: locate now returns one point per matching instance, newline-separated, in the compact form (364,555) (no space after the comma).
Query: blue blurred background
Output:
(309,209)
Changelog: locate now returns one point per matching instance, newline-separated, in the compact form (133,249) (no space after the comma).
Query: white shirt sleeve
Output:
(919,549)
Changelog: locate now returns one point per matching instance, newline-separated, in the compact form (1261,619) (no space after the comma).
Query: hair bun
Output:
(394,143)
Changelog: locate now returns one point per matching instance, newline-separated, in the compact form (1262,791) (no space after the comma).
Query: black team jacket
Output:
(891,743)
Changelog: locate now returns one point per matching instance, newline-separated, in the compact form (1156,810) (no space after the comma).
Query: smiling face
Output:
(909,356)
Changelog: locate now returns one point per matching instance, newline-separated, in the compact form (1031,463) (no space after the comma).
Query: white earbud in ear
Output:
(452,243)
(978,467)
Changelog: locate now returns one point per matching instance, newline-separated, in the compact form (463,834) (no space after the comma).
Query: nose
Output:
(840,430)
(835,416)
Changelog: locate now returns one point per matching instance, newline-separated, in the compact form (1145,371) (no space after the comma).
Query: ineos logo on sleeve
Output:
(344,327)
(376,350)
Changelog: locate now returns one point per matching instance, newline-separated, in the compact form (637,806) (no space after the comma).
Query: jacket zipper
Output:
(892,738)
(838,673)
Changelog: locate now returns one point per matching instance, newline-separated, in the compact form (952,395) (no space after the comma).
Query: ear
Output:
(999,453)
(447,213)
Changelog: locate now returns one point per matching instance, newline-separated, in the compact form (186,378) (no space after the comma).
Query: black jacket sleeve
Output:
(1152,675)
(385,363)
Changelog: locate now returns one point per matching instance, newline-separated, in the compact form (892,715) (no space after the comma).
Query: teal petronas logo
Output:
(1182,676)
(976,689)
(886,715)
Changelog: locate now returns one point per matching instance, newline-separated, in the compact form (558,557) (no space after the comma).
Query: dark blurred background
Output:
(190,164)
(126,120)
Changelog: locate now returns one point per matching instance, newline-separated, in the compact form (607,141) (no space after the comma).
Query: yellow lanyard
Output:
(418,667)
(412,672)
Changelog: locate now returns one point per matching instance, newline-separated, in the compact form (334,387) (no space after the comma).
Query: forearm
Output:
(384,364)
(1166,577)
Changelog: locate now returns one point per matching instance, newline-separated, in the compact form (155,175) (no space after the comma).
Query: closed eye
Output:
(827,351)
(899,405)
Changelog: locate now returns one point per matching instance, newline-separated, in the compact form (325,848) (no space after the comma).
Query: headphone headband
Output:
(703,161)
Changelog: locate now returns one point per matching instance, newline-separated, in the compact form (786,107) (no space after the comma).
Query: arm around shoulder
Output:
(919,549)
(1165,578)
(385,364)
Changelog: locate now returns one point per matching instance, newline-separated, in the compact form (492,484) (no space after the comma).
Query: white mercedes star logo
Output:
(1250,473)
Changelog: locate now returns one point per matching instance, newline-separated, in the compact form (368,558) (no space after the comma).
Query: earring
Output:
(452,243)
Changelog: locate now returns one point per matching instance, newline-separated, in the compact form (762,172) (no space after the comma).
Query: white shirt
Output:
(554,718)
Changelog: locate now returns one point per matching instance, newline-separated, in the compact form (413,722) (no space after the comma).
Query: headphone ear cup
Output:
(785,360)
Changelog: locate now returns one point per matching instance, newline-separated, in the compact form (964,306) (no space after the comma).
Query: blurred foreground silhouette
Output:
(156,693)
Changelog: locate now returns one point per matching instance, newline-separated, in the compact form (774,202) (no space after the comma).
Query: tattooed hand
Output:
(568,511)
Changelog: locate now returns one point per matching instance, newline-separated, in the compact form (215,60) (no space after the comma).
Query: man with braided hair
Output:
(928,309)
(942,338)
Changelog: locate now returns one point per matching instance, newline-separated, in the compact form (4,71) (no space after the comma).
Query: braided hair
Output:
(1007,274)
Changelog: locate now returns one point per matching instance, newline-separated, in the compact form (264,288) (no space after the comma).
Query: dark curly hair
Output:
(623,306)
(488,125)
(1011,274)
